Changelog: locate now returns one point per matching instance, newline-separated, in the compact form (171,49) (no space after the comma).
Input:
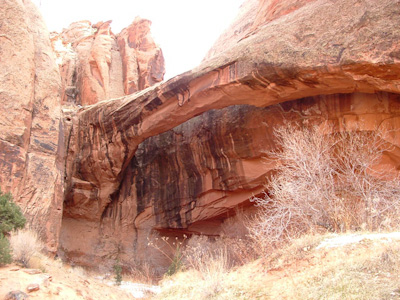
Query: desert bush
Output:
(118,273)
(11,217)
(202,253)
(205,256)
(171,249)
(25,244)
(326,180)
(5,251)
(235,234)
(142,271)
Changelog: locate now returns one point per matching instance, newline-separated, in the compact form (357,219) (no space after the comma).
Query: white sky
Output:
(184,29)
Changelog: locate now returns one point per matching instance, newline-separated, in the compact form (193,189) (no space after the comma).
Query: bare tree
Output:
(326,179)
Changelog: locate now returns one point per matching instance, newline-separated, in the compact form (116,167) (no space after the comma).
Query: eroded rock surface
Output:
(316,61)
(96,65)
(180,156)
(31,150)
(135,41)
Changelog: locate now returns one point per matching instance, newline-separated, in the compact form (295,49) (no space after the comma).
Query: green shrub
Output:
(176,264)
(11,217)
(5,252)
(118,273)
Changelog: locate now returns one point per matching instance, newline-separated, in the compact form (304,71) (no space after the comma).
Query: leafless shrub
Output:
(201,253)
(236,226)
(142,271)
(328,180)
(170,248)
(25,244)
(235,235)
(205,256)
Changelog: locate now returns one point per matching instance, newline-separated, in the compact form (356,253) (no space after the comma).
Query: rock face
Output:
(92,68)
(180,156)
(136,41)
(240,27)
(96,65)
(316,62)
(31,150)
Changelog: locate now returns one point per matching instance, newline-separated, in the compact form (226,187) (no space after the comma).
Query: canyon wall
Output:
(316,62)
(178,157)
(31,148)
(43,79)
(95,64)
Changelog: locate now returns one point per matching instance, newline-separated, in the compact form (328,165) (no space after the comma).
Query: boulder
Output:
(33,287)
(16,295)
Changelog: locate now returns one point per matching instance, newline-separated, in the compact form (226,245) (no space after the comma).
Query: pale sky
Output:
(184,29)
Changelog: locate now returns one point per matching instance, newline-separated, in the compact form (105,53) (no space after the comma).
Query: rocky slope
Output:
(56,282)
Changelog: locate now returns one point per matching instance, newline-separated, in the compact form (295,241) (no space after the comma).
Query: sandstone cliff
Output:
(97,65)
(31,148)
(316,62)
(180,156)
(85,66)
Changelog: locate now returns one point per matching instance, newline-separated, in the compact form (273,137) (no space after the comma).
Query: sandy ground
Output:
(65,283)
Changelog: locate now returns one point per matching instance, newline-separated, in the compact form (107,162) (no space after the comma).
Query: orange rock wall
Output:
(190,179)
(96,65)
(316,61)
(181,155)
(136,41)
(31,149)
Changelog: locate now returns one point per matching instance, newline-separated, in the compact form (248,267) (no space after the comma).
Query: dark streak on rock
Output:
(153,104)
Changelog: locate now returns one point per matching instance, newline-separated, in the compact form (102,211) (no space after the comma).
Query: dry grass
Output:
(59,281)
(214,281)
(141,272)
(25,244)
(369,269)
(205,266)
(57,267)
(192,284)
(294,251)
(205,256)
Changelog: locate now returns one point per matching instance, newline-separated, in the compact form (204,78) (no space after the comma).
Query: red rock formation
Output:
(143,61)
(270,10)
(31,151)
(153,160)
(239,28)
(96,65)
(90,64)
(318,61)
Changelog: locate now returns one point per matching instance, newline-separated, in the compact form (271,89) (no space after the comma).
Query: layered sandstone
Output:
(136,41)
(312,61)
(95,64)
(181,156)
(31,149)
